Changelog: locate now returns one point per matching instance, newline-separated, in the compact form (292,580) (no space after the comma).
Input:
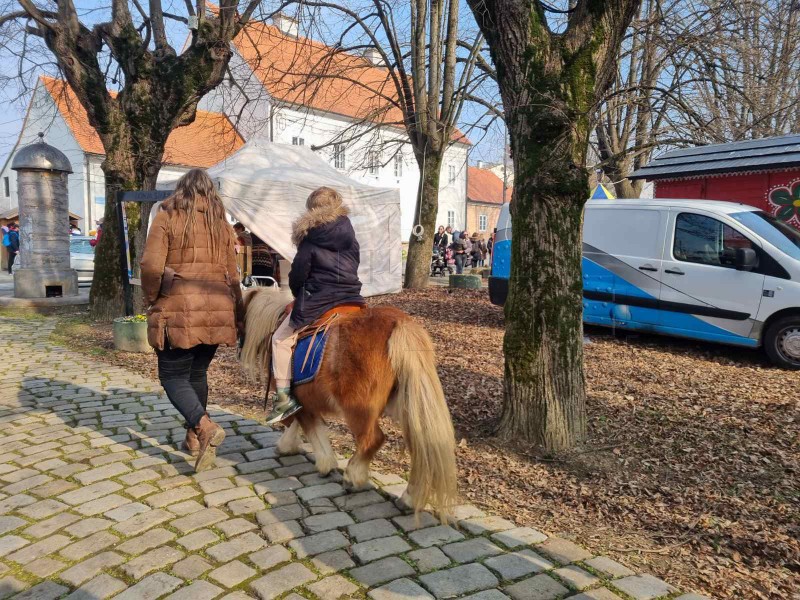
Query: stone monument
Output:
(44,271)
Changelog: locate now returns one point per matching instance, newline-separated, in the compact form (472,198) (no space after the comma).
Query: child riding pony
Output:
(376,361)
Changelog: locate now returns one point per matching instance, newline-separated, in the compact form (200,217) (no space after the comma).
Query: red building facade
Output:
(762,173)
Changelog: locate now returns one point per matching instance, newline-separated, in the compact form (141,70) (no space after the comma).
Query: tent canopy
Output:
(265,185)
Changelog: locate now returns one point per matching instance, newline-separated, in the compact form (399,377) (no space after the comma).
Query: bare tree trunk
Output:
(418,262)
(625,188)
(106,297)
(618,171)
(123,173)
(544,386)
(550,82)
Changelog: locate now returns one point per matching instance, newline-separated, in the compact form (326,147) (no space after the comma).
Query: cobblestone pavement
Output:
(96,502)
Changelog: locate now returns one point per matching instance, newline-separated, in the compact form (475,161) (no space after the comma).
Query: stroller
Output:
(439,263)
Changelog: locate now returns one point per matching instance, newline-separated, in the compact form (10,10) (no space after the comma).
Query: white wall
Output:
(95,191)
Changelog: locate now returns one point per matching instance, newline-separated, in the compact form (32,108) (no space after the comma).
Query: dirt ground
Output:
(691,469)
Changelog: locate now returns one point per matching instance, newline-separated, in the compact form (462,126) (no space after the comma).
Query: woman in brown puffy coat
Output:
(190,281)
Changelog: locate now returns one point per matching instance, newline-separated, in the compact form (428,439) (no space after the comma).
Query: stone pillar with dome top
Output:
(45,271)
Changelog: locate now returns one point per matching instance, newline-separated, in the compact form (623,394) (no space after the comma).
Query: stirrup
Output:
(280,413)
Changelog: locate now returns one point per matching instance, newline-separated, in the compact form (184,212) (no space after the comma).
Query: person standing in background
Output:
(243,237)
(461,250)
(441,239)
(13,245)
(263,258)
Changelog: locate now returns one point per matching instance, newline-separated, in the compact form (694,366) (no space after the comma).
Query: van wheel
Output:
(782,342)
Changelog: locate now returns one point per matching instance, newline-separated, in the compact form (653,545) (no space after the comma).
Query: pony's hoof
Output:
(405,502)
(325,465)
(350,486)
(287,450)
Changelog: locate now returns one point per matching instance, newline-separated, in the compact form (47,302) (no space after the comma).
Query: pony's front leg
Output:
(317,433)
(289,442)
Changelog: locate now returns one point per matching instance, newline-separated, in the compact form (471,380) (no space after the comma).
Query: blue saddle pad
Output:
(308,358)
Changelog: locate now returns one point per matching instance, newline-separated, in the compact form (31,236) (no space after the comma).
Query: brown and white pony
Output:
(377,362)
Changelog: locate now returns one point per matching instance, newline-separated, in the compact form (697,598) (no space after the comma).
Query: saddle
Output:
(311,340)
(326,320)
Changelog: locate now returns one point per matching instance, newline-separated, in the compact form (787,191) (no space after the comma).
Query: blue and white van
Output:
(709,270)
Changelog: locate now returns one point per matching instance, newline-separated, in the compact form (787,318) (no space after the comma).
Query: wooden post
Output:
(122,222)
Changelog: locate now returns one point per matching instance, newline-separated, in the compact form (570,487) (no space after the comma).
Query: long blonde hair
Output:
(194,185)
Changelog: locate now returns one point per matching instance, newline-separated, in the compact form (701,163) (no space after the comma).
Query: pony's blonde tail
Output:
(420,407)
(264,308)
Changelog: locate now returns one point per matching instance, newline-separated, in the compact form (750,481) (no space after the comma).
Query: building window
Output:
(373,163)
(298,141)
(338,156)
(451,218)
(6,187)
(483,222)
(398,164)
(451,171)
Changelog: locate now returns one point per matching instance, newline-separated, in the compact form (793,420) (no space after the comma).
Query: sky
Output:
(14,94)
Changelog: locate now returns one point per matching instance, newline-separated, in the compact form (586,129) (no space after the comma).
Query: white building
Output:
(298,91)
(346,113)
(54,110)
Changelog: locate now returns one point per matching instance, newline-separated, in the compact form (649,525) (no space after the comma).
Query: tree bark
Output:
(625,188)
(618,171)
(544,386)
(418,262)
(124,170)
(105,298)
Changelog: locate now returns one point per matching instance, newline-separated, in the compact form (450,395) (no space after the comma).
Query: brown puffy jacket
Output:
(194,297)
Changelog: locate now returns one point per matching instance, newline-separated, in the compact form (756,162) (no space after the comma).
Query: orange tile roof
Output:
(484,186)
(203,143)
(301,71)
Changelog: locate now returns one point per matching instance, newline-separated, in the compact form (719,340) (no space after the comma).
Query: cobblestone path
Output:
(96,502)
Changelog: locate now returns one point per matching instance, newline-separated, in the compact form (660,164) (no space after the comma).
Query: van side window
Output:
(704,240)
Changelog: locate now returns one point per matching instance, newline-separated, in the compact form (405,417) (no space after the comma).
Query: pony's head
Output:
(264,307)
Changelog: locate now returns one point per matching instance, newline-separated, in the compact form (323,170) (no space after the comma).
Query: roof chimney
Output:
(286,24)
(481,164)
(374,57)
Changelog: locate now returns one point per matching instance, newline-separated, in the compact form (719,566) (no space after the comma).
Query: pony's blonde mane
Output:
(265,307)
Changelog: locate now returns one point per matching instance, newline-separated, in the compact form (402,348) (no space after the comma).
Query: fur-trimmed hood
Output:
(314,220)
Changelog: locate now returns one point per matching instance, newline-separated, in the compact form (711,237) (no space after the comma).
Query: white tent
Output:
(265,186)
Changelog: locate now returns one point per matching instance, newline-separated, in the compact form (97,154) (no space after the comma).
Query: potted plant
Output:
(130,334)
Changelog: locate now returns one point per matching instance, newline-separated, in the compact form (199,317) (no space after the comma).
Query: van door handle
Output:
(647,268)
(674,271)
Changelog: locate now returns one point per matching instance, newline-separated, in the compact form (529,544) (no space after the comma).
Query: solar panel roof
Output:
(751,155)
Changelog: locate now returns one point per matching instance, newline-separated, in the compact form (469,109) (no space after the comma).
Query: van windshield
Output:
(781,235)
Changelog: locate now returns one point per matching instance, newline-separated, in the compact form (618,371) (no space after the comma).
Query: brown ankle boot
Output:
(209,436)
(191,445)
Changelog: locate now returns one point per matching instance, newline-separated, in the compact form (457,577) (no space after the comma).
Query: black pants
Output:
(12,256)
(183,377)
